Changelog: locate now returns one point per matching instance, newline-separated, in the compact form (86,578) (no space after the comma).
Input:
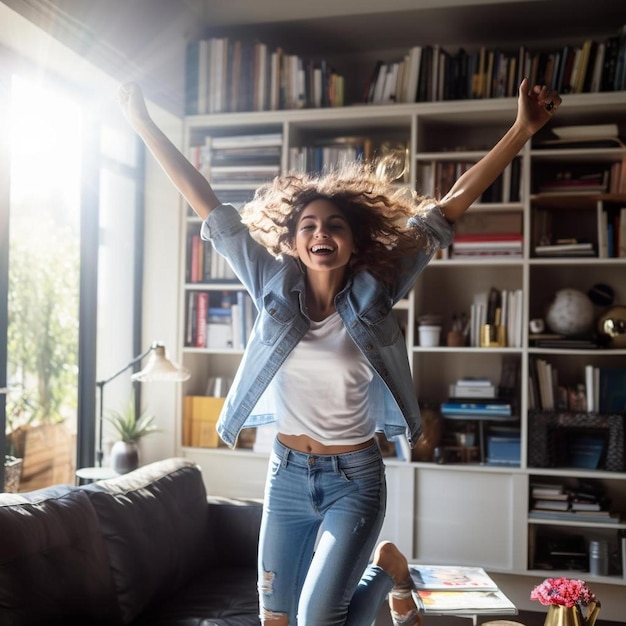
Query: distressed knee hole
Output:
(267,583)
(266,586)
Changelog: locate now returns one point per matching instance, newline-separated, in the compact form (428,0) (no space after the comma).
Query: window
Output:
(70,274)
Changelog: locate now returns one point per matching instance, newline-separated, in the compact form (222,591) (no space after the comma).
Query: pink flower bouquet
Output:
(563,591)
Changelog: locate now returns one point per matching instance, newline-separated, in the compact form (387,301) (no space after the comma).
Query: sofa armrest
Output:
(234,526)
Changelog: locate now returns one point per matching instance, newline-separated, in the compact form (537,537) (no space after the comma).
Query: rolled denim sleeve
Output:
(252,263)
(223,221)
(436,225)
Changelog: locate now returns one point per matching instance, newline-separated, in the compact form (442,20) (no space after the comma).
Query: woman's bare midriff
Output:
(308,445)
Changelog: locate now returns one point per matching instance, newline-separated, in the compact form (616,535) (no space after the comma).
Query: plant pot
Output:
(124,457)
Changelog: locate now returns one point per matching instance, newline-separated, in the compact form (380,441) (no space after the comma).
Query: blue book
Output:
(475,408)
(612,389)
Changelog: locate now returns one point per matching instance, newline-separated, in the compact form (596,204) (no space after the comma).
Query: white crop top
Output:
(322,387)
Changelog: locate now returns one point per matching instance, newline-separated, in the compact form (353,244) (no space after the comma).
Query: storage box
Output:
(200,414)
(503,450)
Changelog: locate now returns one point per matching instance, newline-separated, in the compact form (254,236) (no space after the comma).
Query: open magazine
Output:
(458,590)
(451,577)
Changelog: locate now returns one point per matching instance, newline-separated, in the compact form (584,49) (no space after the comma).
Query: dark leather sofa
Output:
(147,548)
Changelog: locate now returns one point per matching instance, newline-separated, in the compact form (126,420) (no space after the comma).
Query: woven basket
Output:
(12,474)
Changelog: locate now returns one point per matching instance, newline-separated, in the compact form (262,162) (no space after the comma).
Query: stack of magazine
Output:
(457,590)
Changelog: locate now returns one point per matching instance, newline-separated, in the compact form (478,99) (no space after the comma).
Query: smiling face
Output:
(323,240)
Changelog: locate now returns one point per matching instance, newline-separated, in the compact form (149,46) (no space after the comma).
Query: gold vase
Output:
(571,616)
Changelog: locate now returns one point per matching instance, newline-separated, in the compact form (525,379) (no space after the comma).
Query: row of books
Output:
(612,233)
(436,177)
(203,263)
(223,325)
(606,389)
(430,73)
(226,75)
(603,389)
(318,158)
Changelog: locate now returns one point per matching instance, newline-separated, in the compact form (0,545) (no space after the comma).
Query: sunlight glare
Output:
(46,138)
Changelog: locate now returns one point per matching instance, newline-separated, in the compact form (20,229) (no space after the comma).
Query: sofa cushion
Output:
(53,561)
(154,522)
(236,523)
(223,595)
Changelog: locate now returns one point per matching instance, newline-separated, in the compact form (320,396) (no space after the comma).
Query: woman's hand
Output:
(535,106)
(133,105)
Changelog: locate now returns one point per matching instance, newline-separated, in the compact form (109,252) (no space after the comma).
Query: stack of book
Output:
(238,159)
(457,590)
(509,245)
(473,410)
(586,502)
(576,180)
(472,388)
(566,248)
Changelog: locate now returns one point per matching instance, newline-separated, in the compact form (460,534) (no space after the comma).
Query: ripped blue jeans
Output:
(321,519)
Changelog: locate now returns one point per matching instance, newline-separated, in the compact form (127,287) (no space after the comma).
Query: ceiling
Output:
(145,40)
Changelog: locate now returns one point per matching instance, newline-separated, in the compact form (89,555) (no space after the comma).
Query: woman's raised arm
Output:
(188,180)
(535,107)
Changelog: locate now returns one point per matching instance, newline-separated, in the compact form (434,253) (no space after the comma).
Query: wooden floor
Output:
(524,617)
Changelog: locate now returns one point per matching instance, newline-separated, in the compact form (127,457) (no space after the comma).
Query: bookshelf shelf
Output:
(450,132)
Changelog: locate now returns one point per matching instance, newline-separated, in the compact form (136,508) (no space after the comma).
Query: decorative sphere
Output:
(570,313)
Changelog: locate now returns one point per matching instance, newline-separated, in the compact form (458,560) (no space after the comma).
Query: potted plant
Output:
(130,429)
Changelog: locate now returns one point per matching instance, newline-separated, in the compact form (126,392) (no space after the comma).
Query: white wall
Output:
(161,290)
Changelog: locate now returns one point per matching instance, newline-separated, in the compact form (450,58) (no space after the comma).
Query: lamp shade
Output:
(160,367)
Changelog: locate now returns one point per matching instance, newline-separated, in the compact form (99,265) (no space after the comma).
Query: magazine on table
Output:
(463,603)
(451,577)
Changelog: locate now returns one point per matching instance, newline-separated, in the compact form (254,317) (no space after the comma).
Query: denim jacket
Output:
(277,287)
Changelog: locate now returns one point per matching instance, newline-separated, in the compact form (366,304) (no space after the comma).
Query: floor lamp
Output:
(158,367)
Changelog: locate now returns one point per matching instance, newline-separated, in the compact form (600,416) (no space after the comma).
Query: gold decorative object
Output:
(492,336)
(559,615)
(612,326)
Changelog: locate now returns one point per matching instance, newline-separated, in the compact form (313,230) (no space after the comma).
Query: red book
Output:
(488,237)
(202,308)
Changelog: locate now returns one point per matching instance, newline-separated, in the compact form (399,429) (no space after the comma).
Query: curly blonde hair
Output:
(376,210)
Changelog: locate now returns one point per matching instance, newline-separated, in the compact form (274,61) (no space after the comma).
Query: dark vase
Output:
(124,457)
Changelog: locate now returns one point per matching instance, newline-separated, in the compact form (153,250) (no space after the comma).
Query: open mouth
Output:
(322,249)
